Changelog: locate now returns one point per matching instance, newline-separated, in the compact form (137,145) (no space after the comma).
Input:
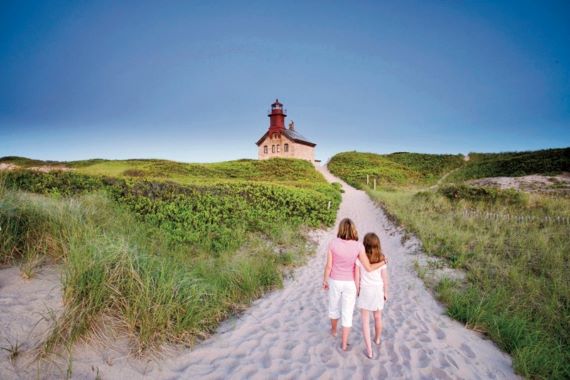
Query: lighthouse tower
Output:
(280,141)
(277,116)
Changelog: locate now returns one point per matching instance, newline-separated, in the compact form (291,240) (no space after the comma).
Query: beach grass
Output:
(515,254)
(117,268)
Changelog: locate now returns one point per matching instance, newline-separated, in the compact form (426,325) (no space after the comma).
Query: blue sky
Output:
(192,80)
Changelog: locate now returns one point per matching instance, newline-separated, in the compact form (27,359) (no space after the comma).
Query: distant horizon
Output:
(250,158)
(192,82)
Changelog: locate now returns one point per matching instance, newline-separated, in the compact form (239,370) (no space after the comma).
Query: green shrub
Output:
(513,164)
(483,194)
(134,173)
(214,216)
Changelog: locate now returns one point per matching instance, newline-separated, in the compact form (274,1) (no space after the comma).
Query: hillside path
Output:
(286,333)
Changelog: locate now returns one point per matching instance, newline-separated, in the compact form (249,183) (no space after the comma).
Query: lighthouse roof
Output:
(291,135)
(297,137)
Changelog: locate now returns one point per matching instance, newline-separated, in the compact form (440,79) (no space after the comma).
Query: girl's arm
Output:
(384,274)
(366,263)
(357,278)
(328,268)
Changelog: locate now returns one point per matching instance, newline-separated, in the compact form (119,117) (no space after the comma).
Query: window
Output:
(278,150)
(272,148)
(265,150)
(285,147)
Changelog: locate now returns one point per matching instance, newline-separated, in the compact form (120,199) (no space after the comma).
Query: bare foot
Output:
(345,349)
(368,354)
(333,333)
(377,341)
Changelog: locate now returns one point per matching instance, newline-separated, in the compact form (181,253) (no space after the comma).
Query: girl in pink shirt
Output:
(339,276)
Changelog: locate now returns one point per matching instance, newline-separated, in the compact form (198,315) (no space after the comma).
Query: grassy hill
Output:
(283,171)
(400,169)
(169,249)
(513,164)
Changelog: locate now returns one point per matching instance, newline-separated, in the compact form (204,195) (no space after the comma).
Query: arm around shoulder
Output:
(366,263)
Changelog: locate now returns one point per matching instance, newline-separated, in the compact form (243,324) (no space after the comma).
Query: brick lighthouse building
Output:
(281,141)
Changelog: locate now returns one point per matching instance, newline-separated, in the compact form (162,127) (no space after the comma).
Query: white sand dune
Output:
(286,333)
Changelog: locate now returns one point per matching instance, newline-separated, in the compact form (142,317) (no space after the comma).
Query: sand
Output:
(286,333)
(5,166)
(27,310)
(530,183)
(43,168)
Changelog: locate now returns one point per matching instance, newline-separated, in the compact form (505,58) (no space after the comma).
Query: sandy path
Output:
(285,334)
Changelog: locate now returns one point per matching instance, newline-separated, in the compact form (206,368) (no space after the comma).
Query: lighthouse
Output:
(277,115)
(280,141)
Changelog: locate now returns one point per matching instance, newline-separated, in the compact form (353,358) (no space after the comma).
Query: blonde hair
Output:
(347,230)
(373,248)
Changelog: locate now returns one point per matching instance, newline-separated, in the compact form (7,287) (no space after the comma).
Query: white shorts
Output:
(342,297)
(371,298)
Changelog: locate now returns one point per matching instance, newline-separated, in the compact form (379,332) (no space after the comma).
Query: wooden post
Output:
(329,205)
(367,179)
(374,183)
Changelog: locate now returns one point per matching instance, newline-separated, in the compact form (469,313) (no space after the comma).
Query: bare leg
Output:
(345,332)
(366,331)
(378,326)
(334,323)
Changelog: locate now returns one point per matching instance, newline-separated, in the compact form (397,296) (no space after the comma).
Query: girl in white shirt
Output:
(372,290)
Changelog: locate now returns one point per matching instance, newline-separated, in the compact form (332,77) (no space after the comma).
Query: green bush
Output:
(215,216)
(483,194)
(513,164)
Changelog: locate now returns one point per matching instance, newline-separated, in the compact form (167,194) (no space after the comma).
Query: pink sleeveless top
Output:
(344,254)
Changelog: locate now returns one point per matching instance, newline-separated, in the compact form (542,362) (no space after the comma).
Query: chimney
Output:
(292,125)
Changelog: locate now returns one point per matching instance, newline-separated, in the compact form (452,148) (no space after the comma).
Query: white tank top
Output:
(373,278)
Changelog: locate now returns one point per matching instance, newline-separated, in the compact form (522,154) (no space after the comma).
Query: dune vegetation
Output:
(396,169)
(165,260)
(298,173)
(513,164)
(512,246)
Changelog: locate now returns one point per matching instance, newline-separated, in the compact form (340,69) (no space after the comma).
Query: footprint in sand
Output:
(467,350)
(439,334)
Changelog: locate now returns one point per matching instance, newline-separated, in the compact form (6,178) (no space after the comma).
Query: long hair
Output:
(373,248)
(347,230)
